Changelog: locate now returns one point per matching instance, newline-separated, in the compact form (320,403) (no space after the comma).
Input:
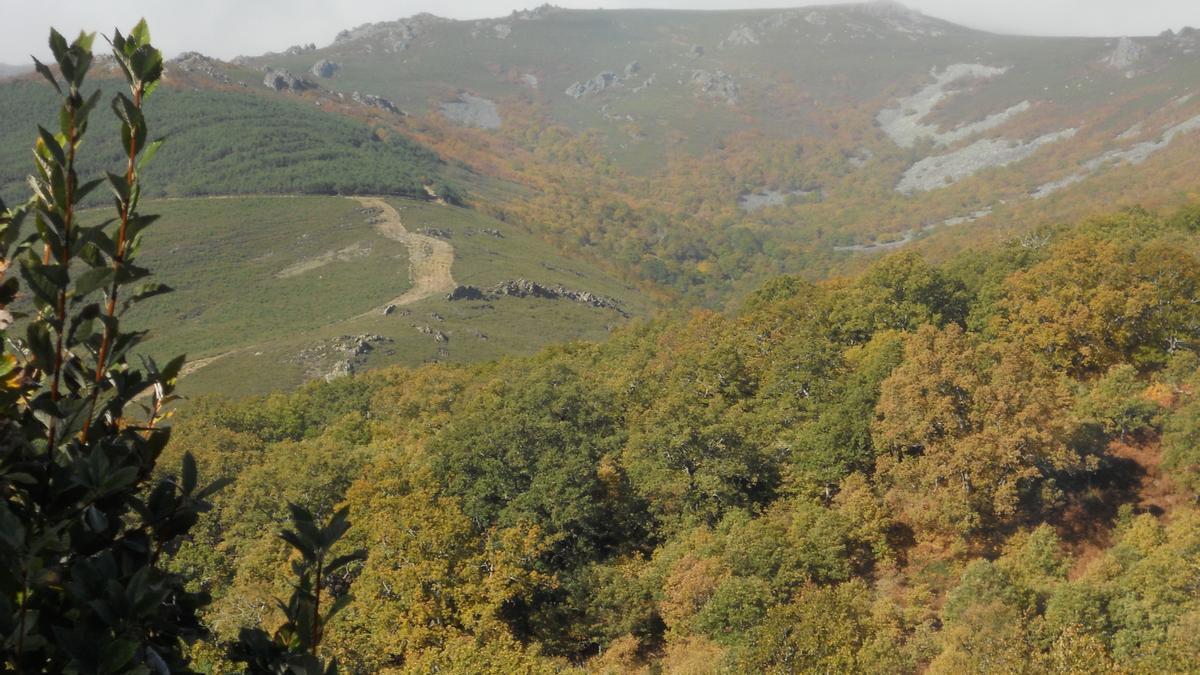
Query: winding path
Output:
(429,259)
(429,263)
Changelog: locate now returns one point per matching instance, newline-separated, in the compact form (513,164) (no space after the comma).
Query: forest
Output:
(982,463)
(987,465)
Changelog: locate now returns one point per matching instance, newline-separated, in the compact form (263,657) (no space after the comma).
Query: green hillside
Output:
(320,270)
(229,142)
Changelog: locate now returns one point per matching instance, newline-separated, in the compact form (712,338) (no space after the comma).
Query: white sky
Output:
(226,28)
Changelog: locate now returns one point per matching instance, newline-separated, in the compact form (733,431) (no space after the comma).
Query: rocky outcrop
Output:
(324,68)
(282,80)
(296,50)
(717,85)
(941,171)
(765,198)
(741,35)
(376,102)
(632,68)
(465,293)
(1134,154)
(523,288)
(535,14)
(1124,55)
(593,86)
(472,111)
(905,123)
(395,36)
(340,356)
(195,62)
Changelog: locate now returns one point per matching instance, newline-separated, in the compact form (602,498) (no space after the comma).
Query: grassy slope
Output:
(239,304)
(225,141)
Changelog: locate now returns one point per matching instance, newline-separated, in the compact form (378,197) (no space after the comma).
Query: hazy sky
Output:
(226,28)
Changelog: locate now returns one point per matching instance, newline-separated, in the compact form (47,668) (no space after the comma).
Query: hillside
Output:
(325,269)
(692,155)
(922,469)
(745,142)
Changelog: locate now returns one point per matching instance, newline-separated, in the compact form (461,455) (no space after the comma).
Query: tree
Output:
(84,521)
(966,432)
(293,649)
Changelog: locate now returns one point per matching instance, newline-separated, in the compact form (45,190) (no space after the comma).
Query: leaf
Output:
(188,473)
(46,73)
(149,153)
(92,280)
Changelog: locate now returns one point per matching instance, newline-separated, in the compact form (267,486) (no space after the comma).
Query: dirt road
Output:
(429,259)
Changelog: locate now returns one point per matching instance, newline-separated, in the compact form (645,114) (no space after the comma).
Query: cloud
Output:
(226,28)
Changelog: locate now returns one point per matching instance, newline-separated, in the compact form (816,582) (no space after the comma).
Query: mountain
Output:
(687,154)
(809,132)
(7,70)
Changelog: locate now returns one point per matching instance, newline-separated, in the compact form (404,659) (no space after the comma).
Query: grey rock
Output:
(472,111)
(282,80)
(395,36)
(523,288)
(324,68)
(633,68)
(465,293)
(593,86)
(376,101)
(717,85)
(195,62)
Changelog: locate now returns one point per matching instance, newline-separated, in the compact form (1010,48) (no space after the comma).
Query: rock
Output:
(905,123)
(395,36)
(740,36)
(465,293)
(941,171)
(491,232)
(632,68)
(376,101)
(195,62)
(1125,54)
(281,80)
(389,310)
(435,232)
(296,50)
(523,288)
(535,14)
(324,68)
(717,85)
(472,111)
(695,51)
(530,80)
(503,30)
(347,353)
(593,86)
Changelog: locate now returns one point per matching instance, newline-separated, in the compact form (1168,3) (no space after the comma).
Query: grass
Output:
(224,257)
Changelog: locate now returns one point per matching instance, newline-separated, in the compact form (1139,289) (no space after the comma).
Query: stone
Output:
(472,111)
(593,86)
(376,101)
(324,68)
(282,80)
(465,293)
(717,85)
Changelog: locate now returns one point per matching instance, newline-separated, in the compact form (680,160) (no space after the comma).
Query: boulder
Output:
(465,293)
(282,80)
(593,86)
(324,68)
